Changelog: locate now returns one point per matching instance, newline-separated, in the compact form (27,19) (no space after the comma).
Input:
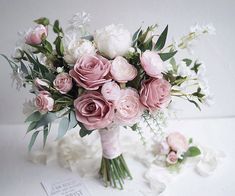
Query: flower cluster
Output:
(175,148)
(107,77)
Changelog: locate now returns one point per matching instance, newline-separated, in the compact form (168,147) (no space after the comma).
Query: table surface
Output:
(19,176)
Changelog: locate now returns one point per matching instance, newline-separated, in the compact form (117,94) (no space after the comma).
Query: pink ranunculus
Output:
(177,142)
(172,158)
(90,72)
(128,107)
(34,36)
(40,84)
(111,91)
(63,83)
(93,110)
(44,102)
(152,63)
(122,71)
(155,93)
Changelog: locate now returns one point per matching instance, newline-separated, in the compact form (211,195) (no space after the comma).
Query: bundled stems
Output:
(114,171)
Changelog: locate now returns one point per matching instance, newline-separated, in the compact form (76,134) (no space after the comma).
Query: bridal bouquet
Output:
(106,79)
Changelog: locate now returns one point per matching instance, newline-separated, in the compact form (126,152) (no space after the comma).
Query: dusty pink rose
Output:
(34,36)
(40,84)
(128,107)
(177,142)
(93,110)
(90,72)
(172,158)
(152,63)
(44,102)
(63,83)
(111,91)
(155,93)
(122,71)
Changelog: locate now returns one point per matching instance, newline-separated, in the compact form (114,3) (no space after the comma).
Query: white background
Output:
(216,51)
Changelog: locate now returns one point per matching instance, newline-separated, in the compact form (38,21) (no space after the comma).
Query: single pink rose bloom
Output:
(172,158)
(63,83)
(111,91)
(93,110)
(155,93)
(177,142)
(40,84)
(91,72)
(122,71)
(128,107)
(152,63)
(34,36)
(44,102)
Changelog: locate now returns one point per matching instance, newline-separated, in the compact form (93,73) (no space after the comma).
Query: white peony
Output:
(75,48)
(112,40)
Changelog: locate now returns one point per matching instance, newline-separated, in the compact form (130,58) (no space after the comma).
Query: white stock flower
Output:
(113,40)
(74,47)
(204,29)
(184,70)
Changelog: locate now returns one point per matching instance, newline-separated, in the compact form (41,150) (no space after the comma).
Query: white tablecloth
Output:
(20,177)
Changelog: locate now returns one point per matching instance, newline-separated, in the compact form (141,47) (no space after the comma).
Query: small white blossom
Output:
(59,69)
(17,77)
(184,70)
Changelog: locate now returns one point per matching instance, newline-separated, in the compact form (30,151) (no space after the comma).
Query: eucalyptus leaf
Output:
(32,126)
(161,40)
(24,68)
(35,116)
(46,119)
(32,140)
(13,65)
(72,120)
(63,127)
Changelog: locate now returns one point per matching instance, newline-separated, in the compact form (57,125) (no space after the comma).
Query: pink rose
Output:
(40,84)
(34,36)
(177,142)
(44,101)
(90,72)
(63,83)
(111,91)
(155,93)
(93,110)
(122,71)
(128,107)
(152,63)
(172,158)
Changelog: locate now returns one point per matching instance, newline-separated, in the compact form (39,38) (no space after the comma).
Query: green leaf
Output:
(24,68)
(32,126)
(195,103)
(166,56)
(59,46)
(45,134)
(32,141)
(72,120)
(44,21)
(83,131)
(35,116)
(193,151)
(47,45)
(56,27)
(63,127)
(187,61)
(190,141)
(161,40)
(46,119)
(13,65)
(134,127)
(135,35)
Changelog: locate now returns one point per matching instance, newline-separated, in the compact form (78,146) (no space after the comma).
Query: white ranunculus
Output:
(112,40)
(75,47)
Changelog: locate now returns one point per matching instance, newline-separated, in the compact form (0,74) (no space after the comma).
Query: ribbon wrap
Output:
(110,142)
